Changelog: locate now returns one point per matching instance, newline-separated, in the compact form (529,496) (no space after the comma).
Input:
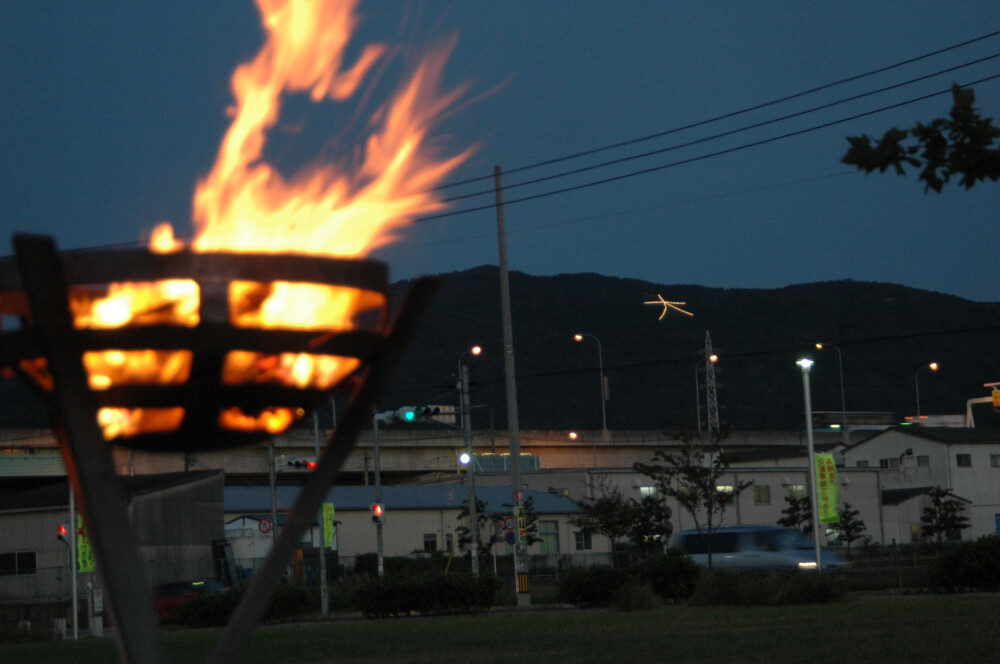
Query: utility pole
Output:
(324,592)
(376,440)
(467,429)
(520,547)
(713,402)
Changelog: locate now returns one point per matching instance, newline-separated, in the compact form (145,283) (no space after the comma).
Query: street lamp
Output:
(604,393)
(467,458)
(697,398)
(916,381)
(806,364)
(843,402)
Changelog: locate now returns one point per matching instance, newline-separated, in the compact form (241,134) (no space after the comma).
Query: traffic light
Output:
(409,414)
(302,463)
(378,513)
(61,530)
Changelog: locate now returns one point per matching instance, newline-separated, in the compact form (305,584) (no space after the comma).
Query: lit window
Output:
(727,490)
(583,541)
(548,531)
(649,491)
(762,495)
(963,459)
(796,491)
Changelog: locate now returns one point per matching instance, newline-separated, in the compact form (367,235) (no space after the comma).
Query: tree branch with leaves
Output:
(962,145)
(690,474)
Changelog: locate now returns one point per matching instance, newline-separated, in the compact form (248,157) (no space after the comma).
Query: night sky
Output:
(112,111)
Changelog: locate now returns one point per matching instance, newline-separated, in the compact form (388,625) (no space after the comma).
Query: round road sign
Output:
(264,525)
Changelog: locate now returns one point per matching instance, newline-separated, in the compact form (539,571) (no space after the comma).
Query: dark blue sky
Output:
(111,112)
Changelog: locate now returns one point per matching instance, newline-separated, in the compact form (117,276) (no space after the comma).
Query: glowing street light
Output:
(467,457)
(843,402)
(916,381)
(604,393)
(806,364)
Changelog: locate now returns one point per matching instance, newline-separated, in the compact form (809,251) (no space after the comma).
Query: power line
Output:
(705,156)
(725,116)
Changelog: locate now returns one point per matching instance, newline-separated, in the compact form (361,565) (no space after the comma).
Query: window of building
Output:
(796,491)
(995,461)
(449,542)
(430,542)
(583,541)
(888,463)
(923,460)
(862,464)
(548,531)
(727,490)
(18,563)
(963,459)
(762,495)
(652,491)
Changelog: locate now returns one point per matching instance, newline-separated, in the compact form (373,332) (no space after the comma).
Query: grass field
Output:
(918,628)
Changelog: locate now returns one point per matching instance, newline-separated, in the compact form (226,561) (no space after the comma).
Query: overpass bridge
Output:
(412,454)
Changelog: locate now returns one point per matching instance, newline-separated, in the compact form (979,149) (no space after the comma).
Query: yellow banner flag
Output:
(827,490)
(85,562)
(329,526)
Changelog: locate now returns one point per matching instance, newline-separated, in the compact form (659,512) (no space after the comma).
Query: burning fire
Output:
(245,205)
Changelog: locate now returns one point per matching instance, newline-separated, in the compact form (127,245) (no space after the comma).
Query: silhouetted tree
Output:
(690,475)
(797,514)
(943,518)
(961,145)
(850,526)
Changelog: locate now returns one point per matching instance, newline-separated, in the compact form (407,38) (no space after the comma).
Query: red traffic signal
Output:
(62,532)
(378,512)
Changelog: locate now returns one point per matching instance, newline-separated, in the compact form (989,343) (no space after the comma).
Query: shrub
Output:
(739,587)
(428,594)
(213,609)
(590,587)
(636,594)
(968,566)
(673,575)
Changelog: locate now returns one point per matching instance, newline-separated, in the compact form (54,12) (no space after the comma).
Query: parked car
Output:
(166,597)
(755,548)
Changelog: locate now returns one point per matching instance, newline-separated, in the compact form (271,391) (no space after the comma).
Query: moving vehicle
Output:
(166,597)
(760,547)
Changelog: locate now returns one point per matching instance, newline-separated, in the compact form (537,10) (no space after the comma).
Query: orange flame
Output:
(244,204)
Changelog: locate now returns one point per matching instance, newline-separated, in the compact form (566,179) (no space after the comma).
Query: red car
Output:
(168,596)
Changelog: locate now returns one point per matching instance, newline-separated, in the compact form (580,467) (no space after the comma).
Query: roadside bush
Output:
(740,587)
(969,566)
(213,609)
(636,594)
(590,587)
(427,594)
(673,575)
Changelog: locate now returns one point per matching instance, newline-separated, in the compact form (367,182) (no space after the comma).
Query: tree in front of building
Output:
(692,475)
(608,515)
(851,527)
(963,144)
(484,521)
(797,514)
(944,518)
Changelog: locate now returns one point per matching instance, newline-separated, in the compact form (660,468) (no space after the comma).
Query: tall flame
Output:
(244,204)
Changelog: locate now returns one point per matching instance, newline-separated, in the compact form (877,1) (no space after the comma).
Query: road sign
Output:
(264,525)
(508,523)
(510,538)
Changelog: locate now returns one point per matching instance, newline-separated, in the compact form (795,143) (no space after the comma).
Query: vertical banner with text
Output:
(328,525)
(827,490)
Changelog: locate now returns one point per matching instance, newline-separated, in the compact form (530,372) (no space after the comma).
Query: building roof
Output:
(256,499)
(945,435)
(54,495)
(902,495)
(777,452)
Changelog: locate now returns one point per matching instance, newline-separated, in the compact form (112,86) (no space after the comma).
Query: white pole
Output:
(805,363)
(324,592)
(72,562)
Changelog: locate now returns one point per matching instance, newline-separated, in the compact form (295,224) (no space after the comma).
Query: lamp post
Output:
(806,365)
(843,402)
(467,458)
(916,381)
(697,397)
(604,393)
